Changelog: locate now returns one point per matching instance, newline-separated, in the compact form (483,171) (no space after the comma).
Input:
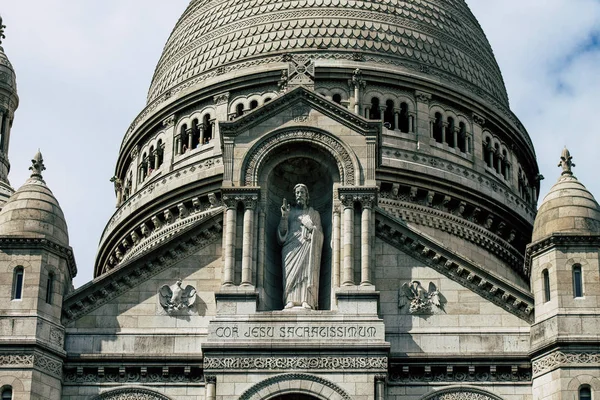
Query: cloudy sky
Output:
(83,70)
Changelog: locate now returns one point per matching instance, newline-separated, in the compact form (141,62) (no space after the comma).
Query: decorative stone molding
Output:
(365,195)
(249,196)
(35,360)
(222,98)
(559,359)
(257,156)
(169,121)
(457,226)
(164,253)
(411,374)
(131,393)
(44,244)
(422,97)
(75,375)
(558,239)
(294,382)
(295,363)
(458,269)
(461,393)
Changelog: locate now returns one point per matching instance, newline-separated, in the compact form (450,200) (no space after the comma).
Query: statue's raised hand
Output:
(285,209)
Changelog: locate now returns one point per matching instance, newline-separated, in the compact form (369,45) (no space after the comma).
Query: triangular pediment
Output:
(454,266)
(296,106)
(162,255)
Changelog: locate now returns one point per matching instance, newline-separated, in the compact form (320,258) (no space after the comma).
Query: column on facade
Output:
(348,240)
(248,240)
(396,119)
(365,238)
(230,228)
(211,387)
(190,138)
(201,129)
(336,246)
(2,131)
(455,137)
(411,123)
(380,387)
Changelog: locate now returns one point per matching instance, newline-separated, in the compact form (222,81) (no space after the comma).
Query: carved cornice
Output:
(249,196)
(558,359)
(457,268)
(222,98)
(7,242)
(295,363)
(330,108)
(131,374)
(166,253)
(450,374)
(559,239)
(456,226)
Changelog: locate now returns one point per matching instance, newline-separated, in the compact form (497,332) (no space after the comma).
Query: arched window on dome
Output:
(496,157)
(253,104)
(181,140)
(143,168)
(450,133)
(151,160)
(239,110)
(577,281)
(194,134)
(160,153)
(487,152)
(17,287)
(462,137)
(7,393)
(404,118)
(337,98)
(546,282)
(388,115)
(504,165)
(375,111)
(49,287)
(438,128)
(585,392)
(207,135)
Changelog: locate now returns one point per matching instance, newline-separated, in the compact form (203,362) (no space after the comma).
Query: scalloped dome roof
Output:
(33,211)
(568,208)
(438,39)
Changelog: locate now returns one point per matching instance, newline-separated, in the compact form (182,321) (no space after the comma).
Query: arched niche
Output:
(295,396)
(312,164)
(461,392)
(131,393)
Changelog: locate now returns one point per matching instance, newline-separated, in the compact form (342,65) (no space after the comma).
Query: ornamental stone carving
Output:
(419,300)
(296,362)
(560,358)
(131,394)
(462,393)
(176,300)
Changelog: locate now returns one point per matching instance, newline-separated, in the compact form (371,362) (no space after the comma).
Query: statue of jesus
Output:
(301,236)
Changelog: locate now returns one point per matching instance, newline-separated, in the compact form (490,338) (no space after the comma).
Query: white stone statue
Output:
(301,235)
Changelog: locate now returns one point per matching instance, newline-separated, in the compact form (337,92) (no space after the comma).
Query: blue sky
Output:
(84,67)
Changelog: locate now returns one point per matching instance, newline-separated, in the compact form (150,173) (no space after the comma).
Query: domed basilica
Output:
(322,199)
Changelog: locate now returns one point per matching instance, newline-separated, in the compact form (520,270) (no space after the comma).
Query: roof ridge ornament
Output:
(37,166)
(2,36)
(565,162)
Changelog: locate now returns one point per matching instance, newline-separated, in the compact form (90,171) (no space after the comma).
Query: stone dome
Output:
(437,40)
(33,211)
(568,208)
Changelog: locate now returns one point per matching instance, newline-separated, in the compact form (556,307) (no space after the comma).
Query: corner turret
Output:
(9,101)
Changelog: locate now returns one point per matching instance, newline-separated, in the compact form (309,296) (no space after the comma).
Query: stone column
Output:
(2,132)
(357,83)
(348,241)
(380,387)
(455,137)
(201,134)
(423,128)
(248,239)
(190,138)
(229,234)
(336,246)
(396,119)
(134,177)
(411,123)
(365,239)
(211,387)
(221,111)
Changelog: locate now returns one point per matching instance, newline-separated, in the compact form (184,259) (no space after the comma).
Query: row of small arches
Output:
(496,158)
(242,105)
(447,131)
(195,135)
(151,161)
(19,282)
(393,118)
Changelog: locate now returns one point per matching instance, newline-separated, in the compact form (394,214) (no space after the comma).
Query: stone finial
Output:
(2,30)
(565,162)
(37,165)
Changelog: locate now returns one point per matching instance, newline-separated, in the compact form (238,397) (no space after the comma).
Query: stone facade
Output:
(395,117)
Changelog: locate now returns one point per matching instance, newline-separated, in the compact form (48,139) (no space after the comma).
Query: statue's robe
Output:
(301,258)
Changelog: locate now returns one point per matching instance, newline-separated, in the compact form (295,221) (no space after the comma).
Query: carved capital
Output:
(169,121)
(478,119)
(222,98)
(210,379)
(422,97)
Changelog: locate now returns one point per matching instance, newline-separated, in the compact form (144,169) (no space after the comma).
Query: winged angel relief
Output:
(419,300)
(174,299)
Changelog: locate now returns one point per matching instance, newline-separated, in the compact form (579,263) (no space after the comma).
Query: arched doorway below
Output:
(294,396)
